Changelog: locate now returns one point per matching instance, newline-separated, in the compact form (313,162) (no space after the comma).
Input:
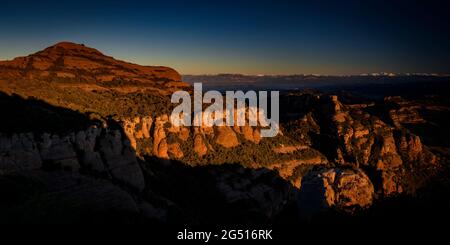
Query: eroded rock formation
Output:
(106,122)
(335,188)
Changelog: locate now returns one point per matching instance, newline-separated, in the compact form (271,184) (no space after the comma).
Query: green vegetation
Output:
(96,103)
(247,154)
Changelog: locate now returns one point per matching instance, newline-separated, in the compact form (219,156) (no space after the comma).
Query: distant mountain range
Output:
(221,81)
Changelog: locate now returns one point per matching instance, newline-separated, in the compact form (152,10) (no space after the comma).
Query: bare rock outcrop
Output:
(85,146)
(255,191)
(345,190)
(361,139)
(18,152)
(286,169)
(402,111)
(95,149)
(226,137)
(59,151)
(200,146)
(159,138)
(137,128)
(251,134)
(174,149)
(120,159)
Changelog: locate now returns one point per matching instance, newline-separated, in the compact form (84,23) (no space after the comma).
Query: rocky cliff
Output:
(351,137)
(78,115)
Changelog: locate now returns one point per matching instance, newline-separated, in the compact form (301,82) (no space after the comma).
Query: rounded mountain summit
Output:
(71,62)
(81,78)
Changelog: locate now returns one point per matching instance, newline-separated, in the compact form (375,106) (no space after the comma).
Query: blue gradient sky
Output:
(251,37)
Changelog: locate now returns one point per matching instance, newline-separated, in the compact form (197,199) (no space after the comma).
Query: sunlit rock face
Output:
(345,190)
(70,61)
(356,138)
(78,117)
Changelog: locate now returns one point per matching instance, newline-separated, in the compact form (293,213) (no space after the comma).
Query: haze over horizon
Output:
(255,37)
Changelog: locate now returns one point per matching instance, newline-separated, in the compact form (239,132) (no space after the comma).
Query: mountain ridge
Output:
(81,78)
(66,61)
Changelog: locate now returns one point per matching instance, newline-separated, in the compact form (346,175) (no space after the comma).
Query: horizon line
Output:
(372,74)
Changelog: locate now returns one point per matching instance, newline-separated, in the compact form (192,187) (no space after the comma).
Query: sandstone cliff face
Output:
(402,111)
(388,150)
(351,137)
(219,144)
(99,150)
(345,190)
(362,141)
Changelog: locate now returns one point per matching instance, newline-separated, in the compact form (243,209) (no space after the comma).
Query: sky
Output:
(248,37)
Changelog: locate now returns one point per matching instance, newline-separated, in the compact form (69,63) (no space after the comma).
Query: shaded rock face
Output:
(85,146)
(100,150)
(63,197)
(120,159)
(95,170)
(18,153)
(119,154)
(223,194)
(259,191)
(344,190)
